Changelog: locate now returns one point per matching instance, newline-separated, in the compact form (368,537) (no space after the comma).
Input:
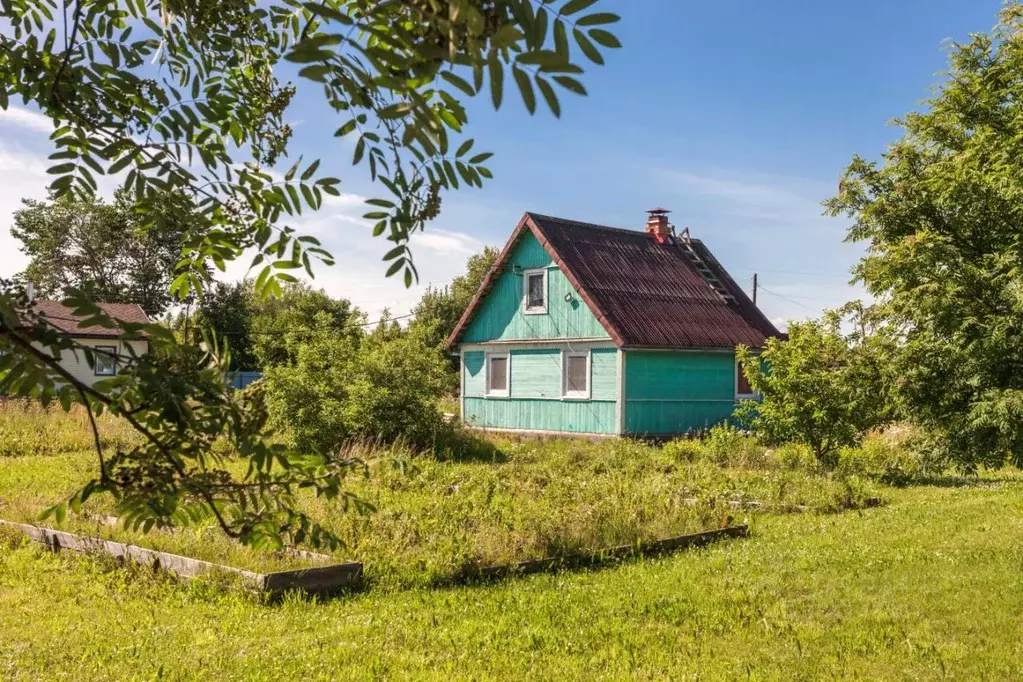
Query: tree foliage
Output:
(108,251)
(441,308)
(341,387)
(173,97)
(941,216)
(820,387)
(226,309)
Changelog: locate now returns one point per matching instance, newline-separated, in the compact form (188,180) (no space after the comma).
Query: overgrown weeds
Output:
(27,428)
(476,501)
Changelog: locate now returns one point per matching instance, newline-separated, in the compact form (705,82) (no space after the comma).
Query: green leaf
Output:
(465,147)
(506,36)
(570,83)
(598,18)
(360,149)
(315,72)
(395,266)
(591,52)
(573,6)
(458,82)
(549,96)
(394,253)
(496,80)
(61,169)
(526,88)
(310,170)
(561,39)
(605,38)
(347,128)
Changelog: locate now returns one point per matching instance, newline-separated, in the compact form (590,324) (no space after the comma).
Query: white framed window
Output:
(534,285)
(105,361)
(743,391)
(498,374)
(575,374)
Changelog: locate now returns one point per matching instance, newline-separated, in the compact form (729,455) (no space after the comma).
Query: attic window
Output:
(535,284)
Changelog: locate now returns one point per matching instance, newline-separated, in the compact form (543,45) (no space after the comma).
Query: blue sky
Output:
(739,116)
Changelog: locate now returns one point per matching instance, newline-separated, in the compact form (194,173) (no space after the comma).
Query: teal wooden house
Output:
(586,329)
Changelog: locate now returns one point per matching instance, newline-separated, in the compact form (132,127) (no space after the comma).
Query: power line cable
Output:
(790,300)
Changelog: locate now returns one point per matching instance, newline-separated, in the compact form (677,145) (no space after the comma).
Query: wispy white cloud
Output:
(775,198)
(25,118)
(358,272)
(22,175)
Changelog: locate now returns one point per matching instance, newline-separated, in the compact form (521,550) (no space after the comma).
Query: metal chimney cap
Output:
(657,211)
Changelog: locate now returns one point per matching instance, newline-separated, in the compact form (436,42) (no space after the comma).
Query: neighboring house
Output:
(581,328)
(63,319)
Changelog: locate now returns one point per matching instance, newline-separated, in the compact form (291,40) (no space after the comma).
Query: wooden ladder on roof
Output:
(701,267)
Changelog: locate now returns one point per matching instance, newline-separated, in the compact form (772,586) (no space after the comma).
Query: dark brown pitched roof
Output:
(65,320)
(645,294)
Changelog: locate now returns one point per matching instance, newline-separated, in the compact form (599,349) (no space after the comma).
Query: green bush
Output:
(684,450)
(882,458)
(341,388)
(795,456)
(728,446)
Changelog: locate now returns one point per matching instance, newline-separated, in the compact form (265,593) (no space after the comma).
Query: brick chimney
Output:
(657,224)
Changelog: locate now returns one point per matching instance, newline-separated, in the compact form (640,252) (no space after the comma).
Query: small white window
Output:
(535,284)
(743,391)
(497,375)
(105,359)
(575,375)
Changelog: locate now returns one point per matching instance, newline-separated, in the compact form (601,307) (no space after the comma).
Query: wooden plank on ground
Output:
(319,579)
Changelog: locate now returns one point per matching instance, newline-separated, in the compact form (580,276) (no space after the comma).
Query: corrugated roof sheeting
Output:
(647,294)
(652,293)
(62,318)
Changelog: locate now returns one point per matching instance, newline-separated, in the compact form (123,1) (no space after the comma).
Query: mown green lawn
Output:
(929,586)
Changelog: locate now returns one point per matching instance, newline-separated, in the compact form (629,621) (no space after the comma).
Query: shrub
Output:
(884,458)
(795,456)
(684,450)
(729,446)
(341,387)
(819,387)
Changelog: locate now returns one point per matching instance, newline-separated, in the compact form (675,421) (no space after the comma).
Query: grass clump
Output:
(27,428)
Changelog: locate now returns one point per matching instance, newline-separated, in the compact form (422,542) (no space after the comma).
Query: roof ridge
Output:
(597,226)
(582,223)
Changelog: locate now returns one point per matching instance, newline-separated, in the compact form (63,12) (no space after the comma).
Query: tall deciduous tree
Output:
(177,96)
(441,308)
(106,250)
(942,216)
(821,387)
(281,322)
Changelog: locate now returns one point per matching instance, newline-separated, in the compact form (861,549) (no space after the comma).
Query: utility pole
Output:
(754,288)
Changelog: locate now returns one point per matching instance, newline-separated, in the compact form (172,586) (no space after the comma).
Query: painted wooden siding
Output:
(604,374)
(575,416)
(500,317)
(677,392)
(535,384)
(475,379)
(536,373)
(76,364)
